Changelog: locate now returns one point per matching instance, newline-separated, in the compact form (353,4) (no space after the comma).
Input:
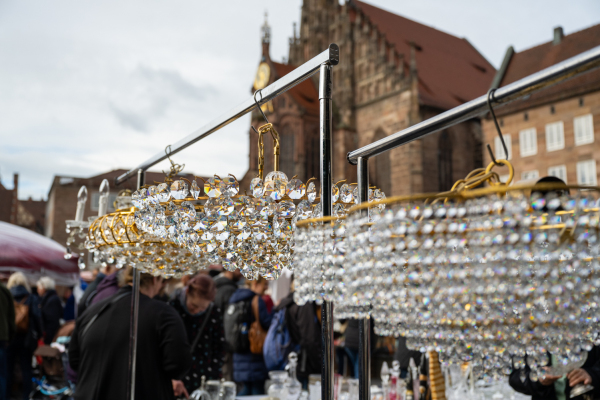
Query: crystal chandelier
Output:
(320,250)
(252,232)
(498,276)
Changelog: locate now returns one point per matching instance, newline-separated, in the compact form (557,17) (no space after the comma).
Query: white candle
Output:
(103,200)
(81,199)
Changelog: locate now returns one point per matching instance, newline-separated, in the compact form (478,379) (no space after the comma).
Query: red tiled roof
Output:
(535,59)
(305,93)
(94,182)
(450,70)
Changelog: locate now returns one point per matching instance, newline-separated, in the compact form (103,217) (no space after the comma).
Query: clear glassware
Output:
(292,384)
(385,380)
(278,388)
(352,389)
(213,388)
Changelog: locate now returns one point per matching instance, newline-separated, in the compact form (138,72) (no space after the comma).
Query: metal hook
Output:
(258,105)
(175,168)
(490,93)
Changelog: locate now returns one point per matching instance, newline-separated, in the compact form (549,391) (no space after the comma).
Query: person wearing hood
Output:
(204,326)
(249,368)
(92,289)
(99,348)
(226,283)
(51,308)
(107,287)
(24,343)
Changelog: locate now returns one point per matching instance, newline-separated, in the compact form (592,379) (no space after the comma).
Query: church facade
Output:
(393,73)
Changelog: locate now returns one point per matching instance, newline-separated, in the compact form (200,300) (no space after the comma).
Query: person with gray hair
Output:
(51,308)
(28,328)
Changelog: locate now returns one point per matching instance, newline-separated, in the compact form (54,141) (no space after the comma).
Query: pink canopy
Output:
(35,255)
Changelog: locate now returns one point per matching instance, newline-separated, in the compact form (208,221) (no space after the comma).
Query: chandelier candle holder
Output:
(251,231)
(77,227)
(498,276)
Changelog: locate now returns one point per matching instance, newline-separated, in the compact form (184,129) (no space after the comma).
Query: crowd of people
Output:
(212,325)
(183,328)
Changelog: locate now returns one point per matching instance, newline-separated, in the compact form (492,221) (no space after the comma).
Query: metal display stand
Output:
(322,63)
(560,72)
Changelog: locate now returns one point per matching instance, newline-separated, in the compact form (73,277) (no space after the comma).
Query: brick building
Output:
(29,213)
(393,73)
(553,131)
(62,198)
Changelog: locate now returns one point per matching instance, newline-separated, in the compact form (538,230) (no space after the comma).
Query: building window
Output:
(445,180)
(530,175)
(559,171)
(526,117)
(552,110)
(581,102)
(528,142)
(584,129)
(499,150)
(586,172)
(555,136)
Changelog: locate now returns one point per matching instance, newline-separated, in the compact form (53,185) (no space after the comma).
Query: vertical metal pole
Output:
(134,316)
(364,325)
(325,130)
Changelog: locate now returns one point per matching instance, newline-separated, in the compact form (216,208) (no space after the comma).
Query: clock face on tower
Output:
(262,76)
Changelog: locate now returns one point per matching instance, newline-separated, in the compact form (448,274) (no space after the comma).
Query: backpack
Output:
(278,344)
(236,323)
(21,316)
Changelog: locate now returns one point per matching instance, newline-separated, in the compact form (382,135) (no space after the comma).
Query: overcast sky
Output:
(90,86)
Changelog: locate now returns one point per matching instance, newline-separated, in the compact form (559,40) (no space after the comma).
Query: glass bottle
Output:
(423,372)
(395,380)
(385,380)
(414,376)
(292,384)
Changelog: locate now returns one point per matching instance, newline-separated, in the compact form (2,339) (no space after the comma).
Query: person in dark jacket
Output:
(20,350)
(100,354)
(557,387)
(304,327)
(249,368)
(197,311)
(51,308)
(227,284)
(7,332)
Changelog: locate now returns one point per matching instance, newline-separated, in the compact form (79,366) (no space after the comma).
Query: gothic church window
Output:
(445,180)
(287,154)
